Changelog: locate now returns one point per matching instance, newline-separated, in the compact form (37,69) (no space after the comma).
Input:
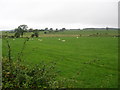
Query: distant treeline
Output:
(101,28)
(57,30)
(33,30)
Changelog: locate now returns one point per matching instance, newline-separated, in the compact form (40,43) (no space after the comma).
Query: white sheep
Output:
(40,39)
(31,39)
(63,40)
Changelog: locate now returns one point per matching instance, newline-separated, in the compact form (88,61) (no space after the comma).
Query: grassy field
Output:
(93,61)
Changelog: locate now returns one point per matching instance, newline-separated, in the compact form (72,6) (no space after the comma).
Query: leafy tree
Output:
(30,30)
(17,35)
(46,29)
(51,29)
(21,29)
(56,29)
(63,29)
(36,33)
(107,28)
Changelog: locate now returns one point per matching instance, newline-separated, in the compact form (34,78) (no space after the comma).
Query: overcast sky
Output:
(58,13)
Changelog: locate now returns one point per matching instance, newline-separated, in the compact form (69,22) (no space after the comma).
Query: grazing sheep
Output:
(40,39)
(77,37)
(59,39)
(63,40)
(31,38)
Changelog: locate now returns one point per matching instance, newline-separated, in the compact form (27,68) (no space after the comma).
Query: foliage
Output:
(17,35)
(17,75)
(36,34)
(23,27)
(31,30)
(63,29)
(20,30)
(46,29)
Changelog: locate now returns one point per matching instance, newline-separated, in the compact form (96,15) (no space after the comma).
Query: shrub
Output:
(17,75)
(17,35)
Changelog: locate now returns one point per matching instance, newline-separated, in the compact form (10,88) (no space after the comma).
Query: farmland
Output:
(91,59)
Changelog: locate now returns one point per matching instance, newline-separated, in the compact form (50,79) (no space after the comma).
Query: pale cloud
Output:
(58,13)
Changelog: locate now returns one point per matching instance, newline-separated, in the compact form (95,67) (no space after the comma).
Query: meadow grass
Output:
(93,61)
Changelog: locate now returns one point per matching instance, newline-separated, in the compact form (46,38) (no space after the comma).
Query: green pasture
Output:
(93,61)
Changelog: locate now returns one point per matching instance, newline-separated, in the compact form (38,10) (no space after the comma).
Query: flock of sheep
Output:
(42,39)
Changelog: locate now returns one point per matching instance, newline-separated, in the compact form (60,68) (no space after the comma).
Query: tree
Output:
(63,29)
(56,29)
(21,29)
(36,33)
(17,35)
(46,29)
(107,28)
(30,30)
(51,29)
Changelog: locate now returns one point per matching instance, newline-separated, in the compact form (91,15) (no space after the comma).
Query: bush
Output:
(17,75)
(17,35)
